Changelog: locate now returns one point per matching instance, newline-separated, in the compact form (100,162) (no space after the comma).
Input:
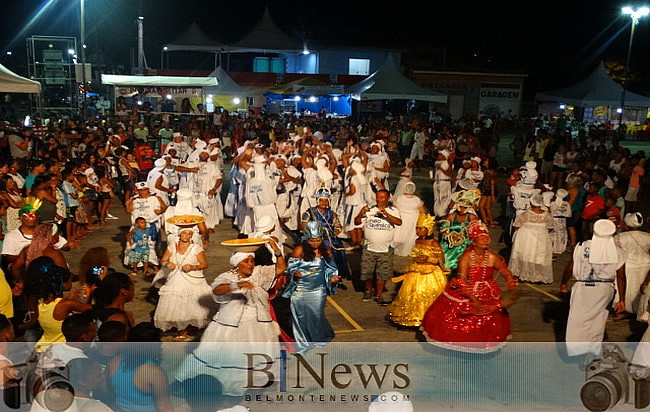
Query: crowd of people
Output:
(316,191)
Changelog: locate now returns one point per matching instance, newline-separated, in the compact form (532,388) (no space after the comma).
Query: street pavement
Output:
(539,313)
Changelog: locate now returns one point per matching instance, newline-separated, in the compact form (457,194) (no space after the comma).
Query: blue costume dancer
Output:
(312,276)
(331,226)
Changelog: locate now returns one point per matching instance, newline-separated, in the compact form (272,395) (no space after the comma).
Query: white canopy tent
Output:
(596,90)
(389,83)
(10,82)
(226,85)
(266,36)
(195,39)
(162,81)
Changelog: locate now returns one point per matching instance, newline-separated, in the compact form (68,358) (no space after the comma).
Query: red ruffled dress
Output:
(452,321)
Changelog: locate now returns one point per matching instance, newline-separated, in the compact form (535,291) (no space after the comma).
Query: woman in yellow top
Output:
(424,279)
(45,283)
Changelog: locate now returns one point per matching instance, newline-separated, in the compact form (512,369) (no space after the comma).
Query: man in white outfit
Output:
(596,265)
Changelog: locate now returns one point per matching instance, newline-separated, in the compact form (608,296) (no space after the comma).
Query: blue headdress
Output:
(323,192)
(313,230)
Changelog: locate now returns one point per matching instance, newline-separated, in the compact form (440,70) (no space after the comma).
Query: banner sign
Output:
(601,111)
(317,90)
(160,91)
(498,99)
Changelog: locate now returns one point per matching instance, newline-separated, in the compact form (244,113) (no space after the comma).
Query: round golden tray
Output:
(186,220)
(244,245)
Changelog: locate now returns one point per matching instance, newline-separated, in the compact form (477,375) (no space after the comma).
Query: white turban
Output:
(633,220)
(603,249)
(239,257)
(200,144)
(409,188)
(160,163)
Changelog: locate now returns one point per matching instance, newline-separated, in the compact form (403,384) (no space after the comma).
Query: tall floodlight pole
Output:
(635,15)
(82,26)
(141,63)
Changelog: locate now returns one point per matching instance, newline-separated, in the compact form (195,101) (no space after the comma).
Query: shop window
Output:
(261,65)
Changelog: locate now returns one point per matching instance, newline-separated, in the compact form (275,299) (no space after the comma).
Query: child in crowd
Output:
(137,246)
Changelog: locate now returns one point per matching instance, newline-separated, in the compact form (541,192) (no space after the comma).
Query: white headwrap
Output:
(324,173)
(239,257)
(560,195)
(184,205)
(409,188)
(444,152)
(603,249)
(634,220)
(160,163)
(547,197)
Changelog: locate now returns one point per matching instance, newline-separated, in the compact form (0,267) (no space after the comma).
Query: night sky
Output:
(555,42)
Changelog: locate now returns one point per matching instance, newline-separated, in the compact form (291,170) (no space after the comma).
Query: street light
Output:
(9,53)
(164,49)
(635,15)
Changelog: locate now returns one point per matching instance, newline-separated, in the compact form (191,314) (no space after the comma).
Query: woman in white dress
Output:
(560,210)
(185,299)
(410,206)
(405,176)
(532,250)
(243,323)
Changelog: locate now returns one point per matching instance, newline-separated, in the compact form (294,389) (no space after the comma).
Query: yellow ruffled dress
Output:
(423,281)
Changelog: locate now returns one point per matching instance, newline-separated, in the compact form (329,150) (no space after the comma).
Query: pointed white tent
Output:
(596,90)
(10,82)
(195,39)
(389,83)
(226,85)
(266,36)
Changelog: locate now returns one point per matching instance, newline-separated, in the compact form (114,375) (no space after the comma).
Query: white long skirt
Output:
(587,317)
(184,301)
(223,349)
(532,254)
(634,275)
